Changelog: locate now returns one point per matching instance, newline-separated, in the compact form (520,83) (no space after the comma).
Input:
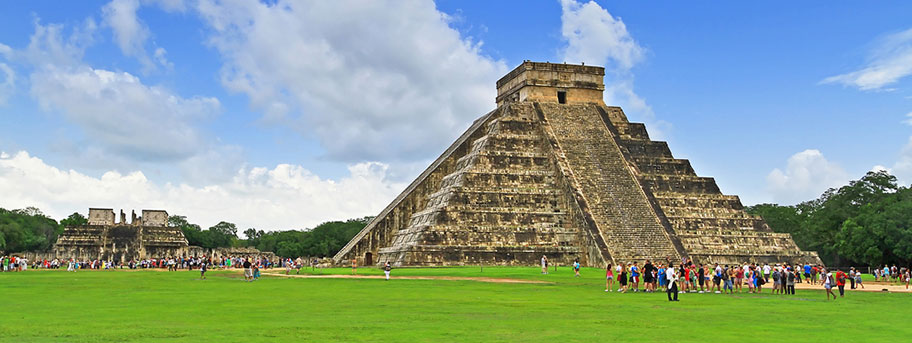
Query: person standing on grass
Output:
(852,278)
(726,277)
(672,279)
(544,264)
(648,276)
(840,282)
(622,279)
(661,277)
(576,268)
(828,283)
(203,268)
(256,271)
(609,278)
(777,281)
(635,277)
(906,278)
(758,279)
(354,266)
(248,273)
(807,272)
(386,270)
(790,282)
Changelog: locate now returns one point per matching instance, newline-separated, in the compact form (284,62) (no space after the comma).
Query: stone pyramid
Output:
(554,171)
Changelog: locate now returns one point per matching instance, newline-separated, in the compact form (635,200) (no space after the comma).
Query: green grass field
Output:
(136,306)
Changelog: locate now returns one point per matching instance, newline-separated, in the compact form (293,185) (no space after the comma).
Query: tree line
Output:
(867,222)
(28,230)
(324,240)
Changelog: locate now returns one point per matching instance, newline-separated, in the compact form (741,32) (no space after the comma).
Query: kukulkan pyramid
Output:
(554,171)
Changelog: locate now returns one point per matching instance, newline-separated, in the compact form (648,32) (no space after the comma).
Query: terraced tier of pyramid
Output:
(553,171)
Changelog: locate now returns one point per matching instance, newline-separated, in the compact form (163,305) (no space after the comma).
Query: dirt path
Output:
(451,278)
(870,286)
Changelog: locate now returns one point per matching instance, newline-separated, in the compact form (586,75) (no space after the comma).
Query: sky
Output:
(281,114)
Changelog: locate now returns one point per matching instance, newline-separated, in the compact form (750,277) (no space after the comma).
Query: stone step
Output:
(470,216)
(692,223)
(470,178)
(504,160)
(668,199)
(706,212)
(646,148)
(509,142)
(512,125)
(680,184)
(663,166)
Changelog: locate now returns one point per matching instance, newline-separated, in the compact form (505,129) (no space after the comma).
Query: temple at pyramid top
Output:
(551,82)
(553,171)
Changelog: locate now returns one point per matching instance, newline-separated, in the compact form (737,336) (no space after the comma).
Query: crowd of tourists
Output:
(690,277)
(893,274)
(13,263)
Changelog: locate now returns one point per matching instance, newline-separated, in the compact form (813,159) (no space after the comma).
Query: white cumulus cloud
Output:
(118,110)
(595,37)
(387,80)
(888,62)
(284,197)
(130,33)
(806,176)
(119,116)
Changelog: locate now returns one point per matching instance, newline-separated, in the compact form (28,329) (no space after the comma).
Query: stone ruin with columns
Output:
(143,237)
(148,236)
(554,171)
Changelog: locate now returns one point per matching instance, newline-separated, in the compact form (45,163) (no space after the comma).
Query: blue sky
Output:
(286,114)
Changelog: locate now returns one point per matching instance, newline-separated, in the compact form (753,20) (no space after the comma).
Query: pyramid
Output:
(554,171)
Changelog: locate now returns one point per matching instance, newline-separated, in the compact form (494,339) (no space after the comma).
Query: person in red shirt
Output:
(840,282)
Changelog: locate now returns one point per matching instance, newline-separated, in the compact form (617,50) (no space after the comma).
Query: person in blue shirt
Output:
(576,267)
(635,277)
(807,271)
(663,280)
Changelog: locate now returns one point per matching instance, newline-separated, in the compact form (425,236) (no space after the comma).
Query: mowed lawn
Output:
(136,306)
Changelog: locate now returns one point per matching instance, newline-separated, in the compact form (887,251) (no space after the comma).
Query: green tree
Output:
(223,234)
(27,230)
(74,219)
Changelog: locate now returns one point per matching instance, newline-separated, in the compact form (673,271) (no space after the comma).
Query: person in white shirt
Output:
(544,264)
(672,278)
(828,284)
(766,272)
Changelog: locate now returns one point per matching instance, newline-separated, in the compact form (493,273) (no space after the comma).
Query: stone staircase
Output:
(712,227)
(620,209)
(499,206)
